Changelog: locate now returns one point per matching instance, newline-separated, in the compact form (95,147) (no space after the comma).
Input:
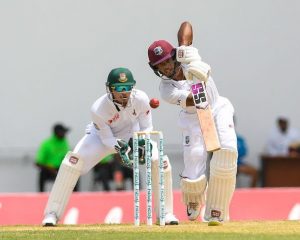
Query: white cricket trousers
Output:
(194,152)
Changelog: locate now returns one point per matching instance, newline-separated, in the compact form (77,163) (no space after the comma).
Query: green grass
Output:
(257,230)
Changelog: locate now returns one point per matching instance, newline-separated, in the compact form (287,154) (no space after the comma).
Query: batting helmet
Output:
(160,51)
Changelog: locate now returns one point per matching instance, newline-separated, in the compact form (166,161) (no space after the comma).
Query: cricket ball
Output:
(154,102)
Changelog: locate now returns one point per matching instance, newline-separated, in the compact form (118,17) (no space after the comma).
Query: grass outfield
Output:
(189,230)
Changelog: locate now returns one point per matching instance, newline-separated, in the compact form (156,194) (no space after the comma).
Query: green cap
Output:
(120,76)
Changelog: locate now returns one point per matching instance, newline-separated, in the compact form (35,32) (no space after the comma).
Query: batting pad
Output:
(66,179)
(223,167)
(167,184)
(193,190)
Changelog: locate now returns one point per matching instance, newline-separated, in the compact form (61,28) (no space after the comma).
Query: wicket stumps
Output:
(148,177)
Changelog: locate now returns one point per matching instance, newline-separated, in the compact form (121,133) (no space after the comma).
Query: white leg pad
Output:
(167,184)
(193,190)
(66,179)
(223,167)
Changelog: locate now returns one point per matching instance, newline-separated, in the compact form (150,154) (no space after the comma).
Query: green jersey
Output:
(52,152)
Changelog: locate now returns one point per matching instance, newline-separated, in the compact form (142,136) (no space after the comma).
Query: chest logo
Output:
(115,118)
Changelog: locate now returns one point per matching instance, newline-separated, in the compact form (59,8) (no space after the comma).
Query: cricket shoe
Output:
(170,219)
(50,220)
(193,210)
(215,221)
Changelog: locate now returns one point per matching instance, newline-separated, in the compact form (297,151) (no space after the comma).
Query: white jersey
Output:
(112,121)
(176,92)
(278,143)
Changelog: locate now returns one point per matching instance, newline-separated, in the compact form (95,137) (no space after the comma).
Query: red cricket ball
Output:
(154,102)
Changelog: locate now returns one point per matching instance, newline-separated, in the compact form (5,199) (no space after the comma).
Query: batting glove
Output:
(187,54)
(198,69)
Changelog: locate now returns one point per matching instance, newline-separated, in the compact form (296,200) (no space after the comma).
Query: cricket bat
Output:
(206,120)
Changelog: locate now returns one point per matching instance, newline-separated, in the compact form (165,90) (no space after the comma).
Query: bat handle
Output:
(196,80)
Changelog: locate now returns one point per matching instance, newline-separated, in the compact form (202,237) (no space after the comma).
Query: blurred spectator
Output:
(50,155)
(243,167)
(281,138)
(111,169)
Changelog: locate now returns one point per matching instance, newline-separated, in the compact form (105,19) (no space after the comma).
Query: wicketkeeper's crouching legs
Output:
(67,177)
(223,167)
(170,219)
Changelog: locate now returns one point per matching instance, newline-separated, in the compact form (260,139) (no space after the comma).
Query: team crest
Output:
(158,51)
(123,78)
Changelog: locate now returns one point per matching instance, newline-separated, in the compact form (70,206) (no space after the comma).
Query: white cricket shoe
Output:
(170,219)
(193,210)
(50,220)
(215,221)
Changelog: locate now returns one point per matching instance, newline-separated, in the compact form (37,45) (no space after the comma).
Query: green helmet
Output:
(119,77)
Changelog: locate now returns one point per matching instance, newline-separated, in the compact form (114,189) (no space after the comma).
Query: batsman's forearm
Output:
(185,34)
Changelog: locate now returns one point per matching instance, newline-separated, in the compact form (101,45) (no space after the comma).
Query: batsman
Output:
(206,122)
(116,115)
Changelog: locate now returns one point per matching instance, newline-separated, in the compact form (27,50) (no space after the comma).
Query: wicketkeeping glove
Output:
(124,150)
(142,149)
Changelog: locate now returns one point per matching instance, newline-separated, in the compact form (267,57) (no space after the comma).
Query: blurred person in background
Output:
(282,138)
(242,166)
(50,155)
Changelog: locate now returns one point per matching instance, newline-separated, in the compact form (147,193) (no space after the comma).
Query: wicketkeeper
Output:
(115,117)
